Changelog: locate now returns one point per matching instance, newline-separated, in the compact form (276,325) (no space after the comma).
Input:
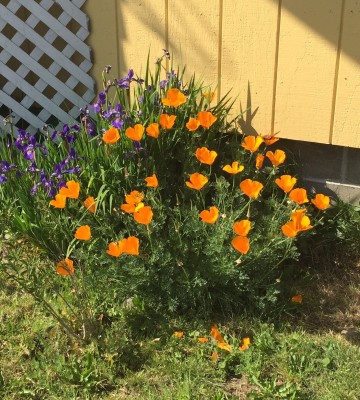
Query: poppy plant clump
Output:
(158,196)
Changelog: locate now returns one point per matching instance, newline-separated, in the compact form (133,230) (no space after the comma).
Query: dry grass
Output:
(331,296)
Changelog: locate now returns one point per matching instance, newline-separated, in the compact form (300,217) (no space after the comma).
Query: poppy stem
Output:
(248,211)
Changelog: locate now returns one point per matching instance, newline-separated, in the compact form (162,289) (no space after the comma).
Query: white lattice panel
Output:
(44,62)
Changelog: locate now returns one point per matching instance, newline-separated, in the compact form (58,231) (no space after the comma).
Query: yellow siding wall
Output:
(299,58)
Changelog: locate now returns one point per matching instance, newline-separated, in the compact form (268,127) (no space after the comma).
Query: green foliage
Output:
(184,263)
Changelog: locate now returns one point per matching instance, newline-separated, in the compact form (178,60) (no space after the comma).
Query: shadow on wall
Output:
(331,170)
(308,12)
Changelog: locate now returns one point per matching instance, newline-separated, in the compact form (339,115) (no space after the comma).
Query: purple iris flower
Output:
(163,83)
(118,108)
(91,129)
(96,107)
(102,97)
(117,123)
(32,168)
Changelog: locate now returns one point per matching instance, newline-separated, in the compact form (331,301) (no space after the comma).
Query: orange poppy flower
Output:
(65,267)
(302,222)
(192,124)
(251,188)
(153,130)
(130,245)
(214,357)
(90,204)
(205,155)
(234,168)
(245,344)
(242,228)
(113,250)
(297,299)
(321,201)
(209,96)
(241,244)
(151,181)
(135,197)
(174,98)
(135,133)
(111,136)
(128,208)
(259,161)
(167,121)
(203,339)
(299,222)
(59,202)
(216,334)
(276,158)
(179,335)
(71,190)
(299,196)
(225,346)
(143,215)
(206,119)
(211,216)
(270,139)
(133,202)
(286,182)
(197,181)
(252,143)
(83,233)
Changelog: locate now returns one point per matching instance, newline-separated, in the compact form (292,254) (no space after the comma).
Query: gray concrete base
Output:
(332,170)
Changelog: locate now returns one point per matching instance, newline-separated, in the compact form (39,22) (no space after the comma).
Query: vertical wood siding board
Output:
(103,38)
(75,12)
(44,46)
(32,92)
(46,75)
(193,30)
(336,75)
(166,29)
(305,76)
(57,27)
(346,130)
(142,25)
(249,37)
(276,64)
(117,38)
(21,111)
(219,50)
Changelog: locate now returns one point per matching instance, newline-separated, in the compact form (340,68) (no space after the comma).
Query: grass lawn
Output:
(311,352)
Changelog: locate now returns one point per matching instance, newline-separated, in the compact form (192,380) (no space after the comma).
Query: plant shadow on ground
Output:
(330,287)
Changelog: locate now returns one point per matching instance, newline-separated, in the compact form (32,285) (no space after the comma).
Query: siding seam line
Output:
(117,37)
(167,31)
(336,76)
(276,63)
(220,50)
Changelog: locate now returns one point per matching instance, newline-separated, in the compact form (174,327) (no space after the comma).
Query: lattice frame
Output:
(44,62)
